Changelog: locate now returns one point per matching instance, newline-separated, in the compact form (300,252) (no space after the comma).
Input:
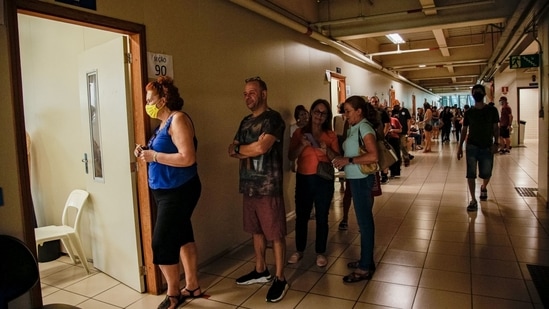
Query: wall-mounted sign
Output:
(524,61)
(504,90)
(159,65)
(87,4)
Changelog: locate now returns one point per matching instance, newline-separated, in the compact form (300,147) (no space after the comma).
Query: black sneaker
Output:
(473,206)
(277,291)
(483,194)
(254,277)
(384,179)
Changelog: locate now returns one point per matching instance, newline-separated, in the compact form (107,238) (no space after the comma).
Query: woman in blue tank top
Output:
(176,187)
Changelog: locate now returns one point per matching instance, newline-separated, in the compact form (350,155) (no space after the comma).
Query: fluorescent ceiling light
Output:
(422,65)
(395,38)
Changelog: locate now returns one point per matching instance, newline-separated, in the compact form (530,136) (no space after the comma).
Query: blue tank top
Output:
(163,176)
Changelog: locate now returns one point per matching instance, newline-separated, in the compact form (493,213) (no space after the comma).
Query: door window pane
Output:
(95,129)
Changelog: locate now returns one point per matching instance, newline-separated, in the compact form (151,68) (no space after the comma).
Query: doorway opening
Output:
(135,115)
(528,116)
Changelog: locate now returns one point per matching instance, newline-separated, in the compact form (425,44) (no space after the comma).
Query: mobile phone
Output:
(312,140)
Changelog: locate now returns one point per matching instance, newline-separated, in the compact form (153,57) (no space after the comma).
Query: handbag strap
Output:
(360,141)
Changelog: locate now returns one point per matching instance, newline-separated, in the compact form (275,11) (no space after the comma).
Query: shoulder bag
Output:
(386,155)
(325,170)
(369,168)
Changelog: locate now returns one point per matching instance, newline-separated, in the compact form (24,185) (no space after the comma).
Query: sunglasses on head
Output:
(252,79)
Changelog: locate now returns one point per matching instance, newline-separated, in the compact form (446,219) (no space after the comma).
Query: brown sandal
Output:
(356,277)
(191,293)
(353,264)
(167,303)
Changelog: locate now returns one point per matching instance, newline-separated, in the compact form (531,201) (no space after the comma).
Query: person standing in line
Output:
(301,116)
(176,188)
(505,122)
(428,127)
(340,128)
(311,145)
(258,145)
(435,120)
(382,129)
(458,117)
(363,119)
(481,123)
(446,117)
(346,200)
(405,119)
(393,137)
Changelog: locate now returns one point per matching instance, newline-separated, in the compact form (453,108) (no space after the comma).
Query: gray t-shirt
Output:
(262,175)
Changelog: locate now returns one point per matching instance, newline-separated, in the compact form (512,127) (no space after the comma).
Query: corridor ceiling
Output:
(450,45)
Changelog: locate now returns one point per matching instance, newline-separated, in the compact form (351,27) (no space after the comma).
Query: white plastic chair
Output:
(67,233)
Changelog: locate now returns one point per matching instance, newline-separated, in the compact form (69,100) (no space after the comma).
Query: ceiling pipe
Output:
(435,66)
(345,49)
(281,19)
(510,38)
(400,51)
(321,24)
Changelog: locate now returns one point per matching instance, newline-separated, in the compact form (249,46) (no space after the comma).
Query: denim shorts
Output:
(484,157)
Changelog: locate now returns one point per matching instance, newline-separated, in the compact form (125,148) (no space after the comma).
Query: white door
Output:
(529,112)
(104,100)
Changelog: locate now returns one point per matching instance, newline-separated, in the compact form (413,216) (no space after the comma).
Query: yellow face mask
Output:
(152,110)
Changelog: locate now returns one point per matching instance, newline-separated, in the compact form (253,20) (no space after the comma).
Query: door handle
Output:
(85,161)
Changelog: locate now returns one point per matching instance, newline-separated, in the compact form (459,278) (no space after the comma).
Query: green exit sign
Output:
(524,61)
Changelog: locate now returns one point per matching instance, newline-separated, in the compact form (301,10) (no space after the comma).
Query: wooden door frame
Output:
(136,34)
(341,87)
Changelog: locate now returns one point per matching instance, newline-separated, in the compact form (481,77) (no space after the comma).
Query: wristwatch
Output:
(351,159)
(237,148)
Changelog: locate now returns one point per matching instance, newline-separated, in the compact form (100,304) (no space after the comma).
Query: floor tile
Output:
(429,298)
(388,294)
(445,280)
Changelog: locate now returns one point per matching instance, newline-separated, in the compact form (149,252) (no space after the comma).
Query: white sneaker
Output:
(295,257)
(321,260)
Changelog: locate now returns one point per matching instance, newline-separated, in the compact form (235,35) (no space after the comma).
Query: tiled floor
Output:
(430,252)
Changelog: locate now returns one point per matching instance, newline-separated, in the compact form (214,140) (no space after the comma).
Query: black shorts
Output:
(504,132)
(173,227)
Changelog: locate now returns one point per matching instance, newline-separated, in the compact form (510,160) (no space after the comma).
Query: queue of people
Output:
(317,149)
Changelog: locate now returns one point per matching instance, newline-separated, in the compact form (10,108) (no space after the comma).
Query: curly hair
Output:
(164,88)
(368,111)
